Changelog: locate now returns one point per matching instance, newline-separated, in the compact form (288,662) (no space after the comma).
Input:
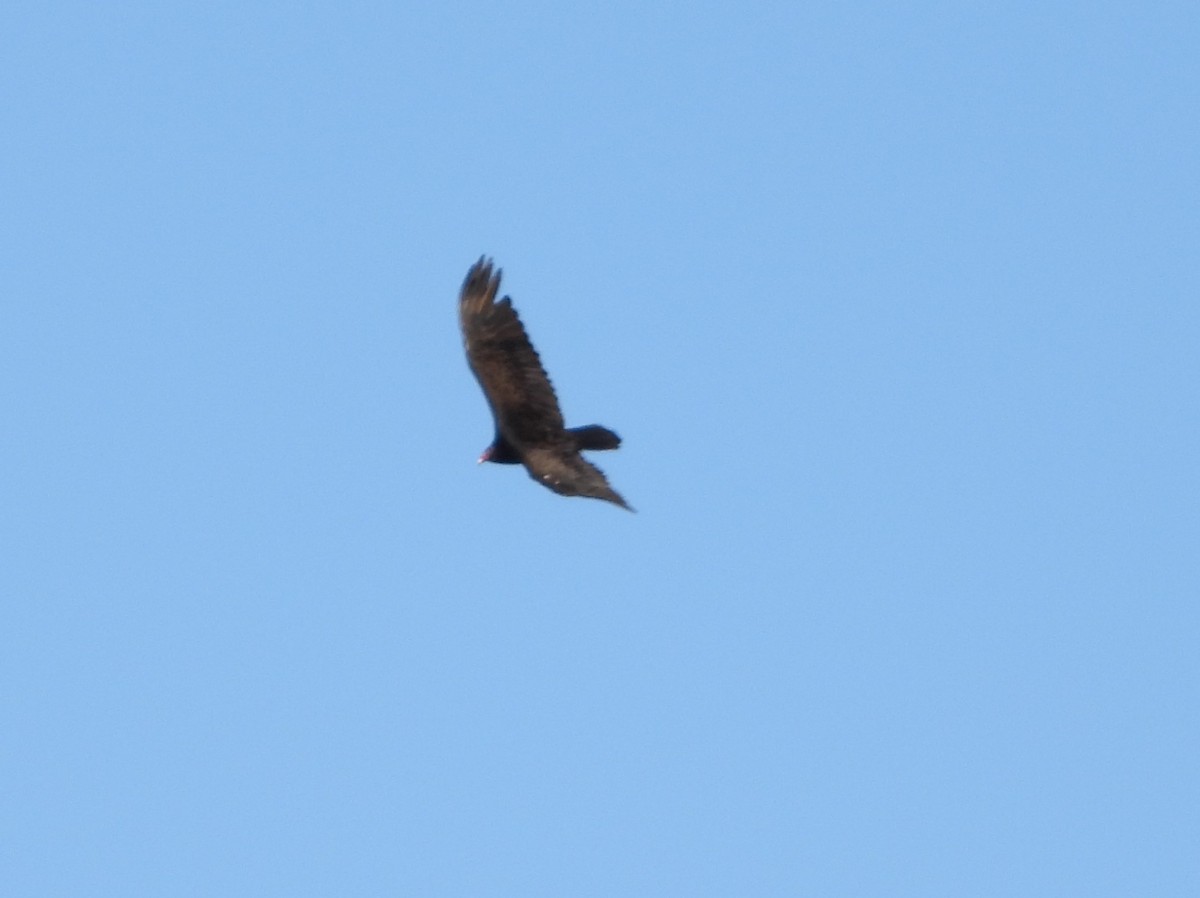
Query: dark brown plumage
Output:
(529,424)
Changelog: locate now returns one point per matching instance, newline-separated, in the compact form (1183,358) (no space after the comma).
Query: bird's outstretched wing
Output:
(506,364)
(564,470)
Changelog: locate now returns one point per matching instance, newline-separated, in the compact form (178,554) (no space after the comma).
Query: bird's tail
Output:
(593,436)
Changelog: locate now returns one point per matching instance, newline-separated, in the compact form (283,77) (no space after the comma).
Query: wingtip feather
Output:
(480,286)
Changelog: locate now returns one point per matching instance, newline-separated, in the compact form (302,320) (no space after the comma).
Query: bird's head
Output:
(486,455)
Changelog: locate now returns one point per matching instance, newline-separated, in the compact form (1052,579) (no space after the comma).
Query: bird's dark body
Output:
(529,424)
(591,436)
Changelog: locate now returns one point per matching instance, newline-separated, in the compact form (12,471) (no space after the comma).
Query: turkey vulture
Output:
(529,424)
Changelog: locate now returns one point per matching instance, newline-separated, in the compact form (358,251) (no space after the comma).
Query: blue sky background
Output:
(895,306)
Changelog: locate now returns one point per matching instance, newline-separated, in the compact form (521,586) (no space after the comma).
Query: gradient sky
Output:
(896,307)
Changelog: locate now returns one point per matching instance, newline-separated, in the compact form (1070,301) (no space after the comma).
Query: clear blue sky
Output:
(896,309)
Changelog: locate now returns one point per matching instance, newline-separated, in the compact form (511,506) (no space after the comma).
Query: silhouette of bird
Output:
(529,424)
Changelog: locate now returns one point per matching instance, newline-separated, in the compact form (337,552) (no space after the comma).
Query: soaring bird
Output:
(529,424)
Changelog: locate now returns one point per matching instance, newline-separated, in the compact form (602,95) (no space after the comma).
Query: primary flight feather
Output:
(529,424)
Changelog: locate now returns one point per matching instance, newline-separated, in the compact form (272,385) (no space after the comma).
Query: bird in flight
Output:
(529,424)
